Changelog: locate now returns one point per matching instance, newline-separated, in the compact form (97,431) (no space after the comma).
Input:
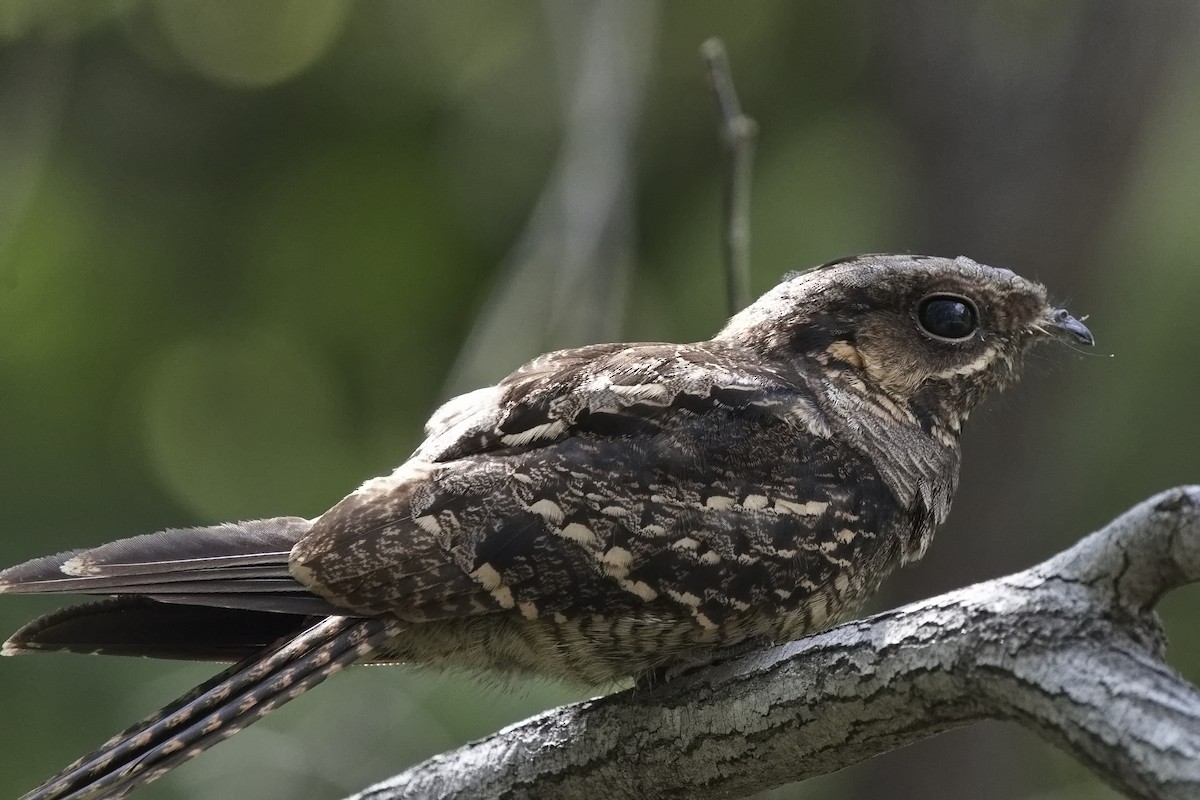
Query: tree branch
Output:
(1069,648)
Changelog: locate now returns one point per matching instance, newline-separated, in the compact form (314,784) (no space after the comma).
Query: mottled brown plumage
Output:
(601,513)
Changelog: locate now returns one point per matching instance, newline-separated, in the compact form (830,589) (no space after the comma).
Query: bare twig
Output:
(564,282)
(738,134)
(1067,648)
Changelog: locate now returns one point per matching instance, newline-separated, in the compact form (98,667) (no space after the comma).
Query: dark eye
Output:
(948,316)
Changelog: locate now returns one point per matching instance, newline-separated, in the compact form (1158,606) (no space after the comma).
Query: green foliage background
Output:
(241,245)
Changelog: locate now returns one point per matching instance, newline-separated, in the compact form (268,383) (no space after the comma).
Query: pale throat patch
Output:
(906,380)
(979,364)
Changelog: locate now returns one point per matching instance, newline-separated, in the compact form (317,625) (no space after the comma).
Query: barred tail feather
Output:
(217,709)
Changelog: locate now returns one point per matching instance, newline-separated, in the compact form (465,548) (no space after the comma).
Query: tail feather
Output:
(190,582)
(247,547)
(217,709)
(227,544)
(295,602)
(222,592)
(137,626)
(235,565)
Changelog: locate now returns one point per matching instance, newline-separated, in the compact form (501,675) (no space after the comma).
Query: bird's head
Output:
(922,328)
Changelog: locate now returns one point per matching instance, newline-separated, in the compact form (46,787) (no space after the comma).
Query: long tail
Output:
(222,593)
(235,565)
(217,709)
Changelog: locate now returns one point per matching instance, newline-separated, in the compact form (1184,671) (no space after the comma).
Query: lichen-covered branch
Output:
(1069,648)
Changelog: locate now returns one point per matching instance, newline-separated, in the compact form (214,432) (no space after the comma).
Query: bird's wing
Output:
(600,479)
(610,390)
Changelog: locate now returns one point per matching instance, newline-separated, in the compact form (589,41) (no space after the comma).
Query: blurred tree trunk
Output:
(1025,122)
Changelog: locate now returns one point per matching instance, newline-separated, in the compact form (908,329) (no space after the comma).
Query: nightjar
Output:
(601,513)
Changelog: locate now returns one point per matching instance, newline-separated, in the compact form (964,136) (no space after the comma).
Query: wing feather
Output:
(656,467)
(611,390)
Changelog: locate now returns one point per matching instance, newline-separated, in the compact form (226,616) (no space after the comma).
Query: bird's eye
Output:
(948,316)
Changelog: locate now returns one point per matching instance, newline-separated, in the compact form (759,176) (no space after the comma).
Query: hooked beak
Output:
(1061,325)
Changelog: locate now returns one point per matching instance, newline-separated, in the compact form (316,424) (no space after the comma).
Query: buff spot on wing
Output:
(487,576)
(846,536)
(639,588)
(686,543)
(842,563)
(504,596)
(429,524)
(755,501)
(719,502)
(687,598)
(528,609)
(578,533)
(651,393)
(548,430)
(548,510)
(617,560)
(810,509)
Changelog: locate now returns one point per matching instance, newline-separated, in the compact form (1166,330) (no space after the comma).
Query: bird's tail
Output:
(219,593)
(223,592)
(236,565)
(217,709)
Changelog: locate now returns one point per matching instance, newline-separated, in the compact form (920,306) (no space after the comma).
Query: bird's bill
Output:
(1061,325)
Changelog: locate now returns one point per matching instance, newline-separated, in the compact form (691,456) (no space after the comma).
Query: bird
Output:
(602,513)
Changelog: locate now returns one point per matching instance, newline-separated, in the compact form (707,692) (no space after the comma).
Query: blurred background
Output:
(245,248)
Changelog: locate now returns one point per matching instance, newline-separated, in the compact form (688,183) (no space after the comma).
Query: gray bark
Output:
(1070,648)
